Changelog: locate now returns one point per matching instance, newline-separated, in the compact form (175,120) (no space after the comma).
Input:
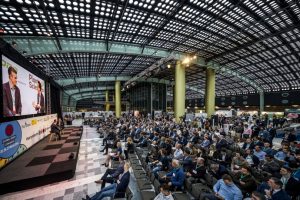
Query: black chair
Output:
(148,195)
(128,195)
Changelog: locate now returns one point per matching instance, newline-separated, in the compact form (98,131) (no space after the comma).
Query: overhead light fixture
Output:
(1,31)
(169,66)
(186,60)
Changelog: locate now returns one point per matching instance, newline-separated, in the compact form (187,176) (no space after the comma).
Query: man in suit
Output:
(40,104)
(276,192)
(113,174)
(12,105)
(116,190)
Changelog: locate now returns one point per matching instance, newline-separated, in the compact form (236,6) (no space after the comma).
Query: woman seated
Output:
(115,190)
(113,155)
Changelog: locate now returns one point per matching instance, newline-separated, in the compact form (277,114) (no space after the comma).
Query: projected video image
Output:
(23,92)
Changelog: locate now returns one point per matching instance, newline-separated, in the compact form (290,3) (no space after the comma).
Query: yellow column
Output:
(179,104)
(118,98)
(107,105)
(210,92)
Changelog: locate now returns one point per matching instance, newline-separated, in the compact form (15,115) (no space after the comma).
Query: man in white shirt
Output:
(164,194)
(178,153)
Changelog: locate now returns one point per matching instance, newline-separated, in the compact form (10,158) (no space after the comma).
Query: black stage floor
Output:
(44,163)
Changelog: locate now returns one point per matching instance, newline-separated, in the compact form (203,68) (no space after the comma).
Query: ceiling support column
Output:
(261,102)
(210,92)
(118,99)
(107,105)
(179,100)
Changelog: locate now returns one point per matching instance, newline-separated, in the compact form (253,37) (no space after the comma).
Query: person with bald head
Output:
(175,178)
(197,172)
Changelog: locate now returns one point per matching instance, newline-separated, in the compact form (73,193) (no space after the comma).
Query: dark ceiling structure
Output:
(259,39)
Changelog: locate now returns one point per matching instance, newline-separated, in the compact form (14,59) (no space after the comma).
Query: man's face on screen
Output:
(13,78)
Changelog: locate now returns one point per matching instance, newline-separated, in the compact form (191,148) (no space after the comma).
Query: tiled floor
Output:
(88,170)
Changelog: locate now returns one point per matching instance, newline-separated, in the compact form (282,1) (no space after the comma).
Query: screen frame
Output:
(11,53)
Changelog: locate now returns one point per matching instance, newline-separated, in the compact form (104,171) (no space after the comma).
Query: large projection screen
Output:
(23,92)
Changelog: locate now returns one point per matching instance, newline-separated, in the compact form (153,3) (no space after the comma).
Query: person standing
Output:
(40,104)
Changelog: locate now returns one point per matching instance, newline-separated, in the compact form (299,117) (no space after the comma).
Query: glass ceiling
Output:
(259,39)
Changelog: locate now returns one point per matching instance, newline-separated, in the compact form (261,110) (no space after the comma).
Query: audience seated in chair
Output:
(113,155)
(115,190)
(165,193)
(224,189)
(55,129)
(175,178)
(111,175)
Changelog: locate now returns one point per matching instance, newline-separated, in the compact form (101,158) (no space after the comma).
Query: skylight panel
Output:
(174,26)
(16,28)
(128,28)
(187,13)
(165,35)
(75,5)
(140,40)
(146,31)
(155,20)
(177,39)
(134,15)
(166,7)
(146,4)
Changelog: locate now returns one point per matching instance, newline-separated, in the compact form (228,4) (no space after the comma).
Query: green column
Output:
(179,104)
(107,105)
(118,98)
(210,92)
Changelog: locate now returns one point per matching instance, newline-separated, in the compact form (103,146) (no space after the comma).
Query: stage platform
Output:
(44,163)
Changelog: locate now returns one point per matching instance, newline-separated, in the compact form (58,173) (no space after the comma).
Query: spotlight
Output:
(169,66)
(1,31)
(186,60)
(194,57)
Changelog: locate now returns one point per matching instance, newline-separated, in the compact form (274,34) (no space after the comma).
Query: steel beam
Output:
(44,45)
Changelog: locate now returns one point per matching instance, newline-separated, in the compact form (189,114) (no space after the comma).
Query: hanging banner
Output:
(18,136)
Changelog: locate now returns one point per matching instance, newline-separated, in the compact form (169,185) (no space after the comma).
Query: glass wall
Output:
(159,93)
(68,103)
(147,97)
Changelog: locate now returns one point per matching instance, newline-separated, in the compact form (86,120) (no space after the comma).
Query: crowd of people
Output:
(192,152)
